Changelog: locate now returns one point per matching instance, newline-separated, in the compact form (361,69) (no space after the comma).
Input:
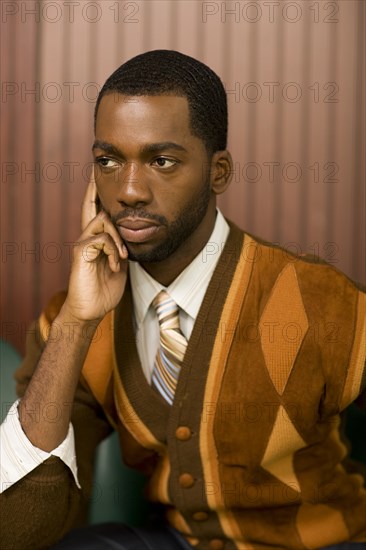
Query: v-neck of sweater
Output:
(149,405)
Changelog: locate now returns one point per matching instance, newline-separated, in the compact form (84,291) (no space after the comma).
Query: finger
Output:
(102,244)
(103,224)
(89,207)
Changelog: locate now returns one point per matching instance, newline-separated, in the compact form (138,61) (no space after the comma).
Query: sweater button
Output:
(216,544)
(200,516)
(183,433)
(186,481)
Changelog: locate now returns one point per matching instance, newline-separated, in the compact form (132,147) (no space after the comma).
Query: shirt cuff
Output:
(19,457)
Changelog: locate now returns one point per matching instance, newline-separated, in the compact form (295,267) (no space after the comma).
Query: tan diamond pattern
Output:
(283,326)
(284,441)
(320,525)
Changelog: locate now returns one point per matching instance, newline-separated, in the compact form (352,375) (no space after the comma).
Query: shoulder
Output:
(311,270)
(50,312)
(285,283)
(313,273)
(54,305)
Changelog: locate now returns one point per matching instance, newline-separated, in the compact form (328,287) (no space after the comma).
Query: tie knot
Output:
(166,308)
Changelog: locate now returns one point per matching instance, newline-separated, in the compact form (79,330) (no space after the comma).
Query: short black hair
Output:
(168,72)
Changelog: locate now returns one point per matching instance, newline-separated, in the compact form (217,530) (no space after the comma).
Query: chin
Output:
(157,254)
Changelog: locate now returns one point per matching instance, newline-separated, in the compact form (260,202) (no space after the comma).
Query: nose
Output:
(133,187)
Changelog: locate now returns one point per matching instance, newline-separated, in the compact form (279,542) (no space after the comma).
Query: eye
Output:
(105,162)
(163,162)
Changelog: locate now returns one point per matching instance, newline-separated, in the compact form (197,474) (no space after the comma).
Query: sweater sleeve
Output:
(43,506)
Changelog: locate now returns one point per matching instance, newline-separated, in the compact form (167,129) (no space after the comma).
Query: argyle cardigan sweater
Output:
(249,456)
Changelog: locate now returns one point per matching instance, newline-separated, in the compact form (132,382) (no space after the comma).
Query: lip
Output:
(137,230)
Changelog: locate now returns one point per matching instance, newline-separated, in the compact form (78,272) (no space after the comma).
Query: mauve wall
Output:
(294,72)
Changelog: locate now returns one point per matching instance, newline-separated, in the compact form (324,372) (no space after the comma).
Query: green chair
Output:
(9,361)
(118,490)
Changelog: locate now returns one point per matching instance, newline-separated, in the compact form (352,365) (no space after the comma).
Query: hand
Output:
(99,269)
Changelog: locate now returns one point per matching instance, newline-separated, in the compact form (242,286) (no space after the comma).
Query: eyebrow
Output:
(148,148)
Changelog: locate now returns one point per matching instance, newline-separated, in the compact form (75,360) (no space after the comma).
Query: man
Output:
(224,374)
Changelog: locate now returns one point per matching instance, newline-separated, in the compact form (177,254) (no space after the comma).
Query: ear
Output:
(221,171)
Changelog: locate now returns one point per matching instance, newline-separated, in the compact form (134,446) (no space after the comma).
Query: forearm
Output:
(45,409)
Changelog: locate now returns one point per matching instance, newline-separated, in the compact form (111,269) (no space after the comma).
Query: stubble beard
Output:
(178,231)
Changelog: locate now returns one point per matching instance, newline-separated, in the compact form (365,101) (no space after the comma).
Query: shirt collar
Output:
(188,289)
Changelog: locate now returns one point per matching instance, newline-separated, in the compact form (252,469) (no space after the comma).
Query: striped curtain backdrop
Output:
(294,74)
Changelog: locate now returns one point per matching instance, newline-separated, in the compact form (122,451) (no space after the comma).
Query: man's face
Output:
(153,175)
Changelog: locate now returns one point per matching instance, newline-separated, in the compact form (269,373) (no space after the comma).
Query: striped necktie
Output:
(172,347)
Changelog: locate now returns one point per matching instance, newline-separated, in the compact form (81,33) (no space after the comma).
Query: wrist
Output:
(71,327)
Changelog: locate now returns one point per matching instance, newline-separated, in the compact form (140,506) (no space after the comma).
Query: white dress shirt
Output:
(187,290)
(18,456)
